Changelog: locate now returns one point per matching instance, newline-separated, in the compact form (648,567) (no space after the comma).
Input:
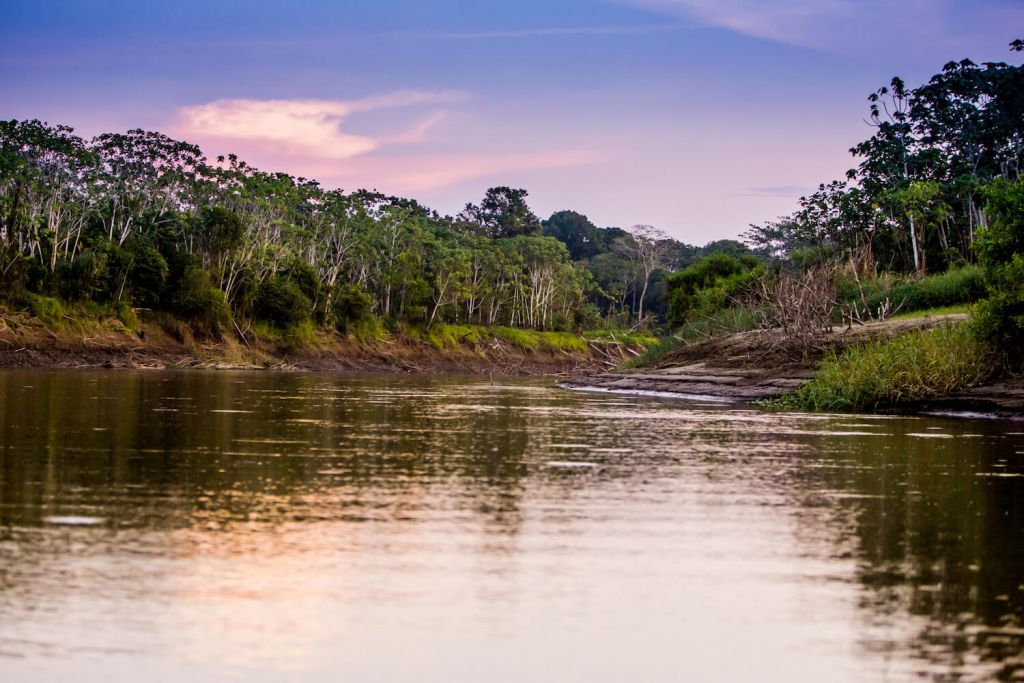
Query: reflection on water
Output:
(195,526)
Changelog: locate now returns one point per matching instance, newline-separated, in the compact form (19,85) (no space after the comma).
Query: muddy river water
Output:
(194,526)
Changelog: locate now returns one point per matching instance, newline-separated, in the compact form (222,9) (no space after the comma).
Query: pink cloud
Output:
(311,128)
(306,138)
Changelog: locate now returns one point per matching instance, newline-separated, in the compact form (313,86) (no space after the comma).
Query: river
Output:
(217,526)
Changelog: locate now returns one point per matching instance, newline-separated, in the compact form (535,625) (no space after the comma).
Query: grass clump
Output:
(726,321)
(49,310)
(562,341)
(444,336)
(126,314)
(911,367)
(626,337)
(449,336)
(517,337)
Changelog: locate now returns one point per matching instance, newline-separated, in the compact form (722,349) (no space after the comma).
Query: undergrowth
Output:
(911,367)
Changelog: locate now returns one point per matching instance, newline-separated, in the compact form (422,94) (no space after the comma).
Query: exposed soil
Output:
(752,366)
(26,342)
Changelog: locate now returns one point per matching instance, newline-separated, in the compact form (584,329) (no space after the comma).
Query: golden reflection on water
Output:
(211,526)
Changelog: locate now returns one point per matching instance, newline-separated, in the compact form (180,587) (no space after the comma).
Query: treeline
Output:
(916,200)
(143,220)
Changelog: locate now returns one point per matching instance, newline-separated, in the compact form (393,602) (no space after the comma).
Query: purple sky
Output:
(696,116)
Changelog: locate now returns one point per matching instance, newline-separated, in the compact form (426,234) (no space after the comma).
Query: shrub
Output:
(709,285)
(280,302)
(147,275)
(14,274)
(81,278)
(198,300)
(727,321)
(126,314)
(306,279)
(1000,317)
(351,305)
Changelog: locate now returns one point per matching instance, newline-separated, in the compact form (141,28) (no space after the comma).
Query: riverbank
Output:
(756,366)
(106,341)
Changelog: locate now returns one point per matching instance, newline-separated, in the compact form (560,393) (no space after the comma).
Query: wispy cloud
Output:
(623,30)
(300,127)
(852,25)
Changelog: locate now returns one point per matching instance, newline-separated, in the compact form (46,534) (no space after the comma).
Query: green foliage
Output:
(447,336)
(147,274)
(199,301)
(126,314)
(14,275)
(914,366)
(299,335)
(49,310)
(517,337)
(82,278)
(955,287)
(1000,317)
(218,230)
(351,305)
(281,302)
(709,285)
(582,238)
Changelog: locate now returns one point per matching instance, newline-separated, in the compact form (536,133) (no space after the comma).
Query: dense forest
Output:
(932,215)
(916,200)
(142,220)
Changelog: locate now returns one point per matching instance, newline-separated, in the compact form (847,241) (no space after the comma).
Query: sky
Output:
(696,116)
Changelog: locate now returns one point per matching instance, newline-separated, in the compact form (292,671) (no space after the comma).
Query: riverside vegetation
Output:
(140,226)
(136,229)
(929,223)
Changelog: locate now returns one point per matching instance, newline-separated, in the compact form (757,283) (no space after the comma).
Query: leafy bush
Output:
(1000,317)
(147,274)
(306,279)
(280,301)
(351,305)
(913,366)
(14,275)
(81,278)
(198,300)
(709,286)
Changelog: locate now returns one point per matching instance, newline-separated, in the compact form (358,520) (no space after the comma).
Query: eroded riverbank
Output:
(755,366)
(26,342)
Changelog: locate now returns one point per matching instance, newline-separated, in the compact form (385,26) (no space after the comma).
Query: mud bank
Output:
(26,342)
(753,366)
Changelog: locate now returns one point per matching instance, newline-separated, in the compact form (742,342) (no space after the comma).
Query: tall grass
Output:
(726,321)
(911,367)
(447,336)
(956,286)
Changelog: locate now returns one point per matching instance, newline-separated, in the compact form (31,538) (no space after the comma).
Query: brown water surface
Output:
(262,527)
